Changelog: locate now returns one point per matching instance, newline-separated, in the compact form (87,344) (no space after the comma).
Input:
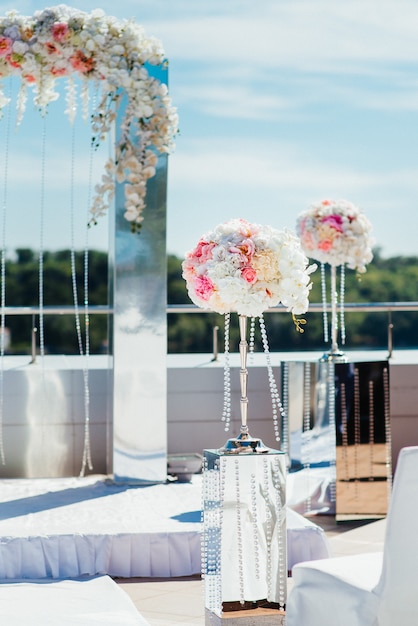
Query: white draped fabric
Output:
(376,589)
(87,602)
(60,528)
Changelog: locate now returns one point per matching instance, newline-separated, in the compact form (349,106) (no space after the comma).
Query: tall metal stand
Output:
(244,442)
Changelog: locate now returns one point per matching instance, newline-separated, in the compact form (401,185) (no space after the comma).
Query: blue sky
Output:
(281,103)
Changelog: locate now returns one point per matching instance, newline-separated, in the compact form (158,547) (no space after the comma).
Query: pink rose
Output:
(308,240)
(203,251)
(59,31)
(247,248)
(335,221)
(82,63)
(325,245)
(249,275)
(203,287)
(5,46)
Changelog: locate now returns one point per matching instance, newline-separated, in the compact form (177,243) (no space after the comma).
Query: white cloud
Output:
(251,163)
(319,36)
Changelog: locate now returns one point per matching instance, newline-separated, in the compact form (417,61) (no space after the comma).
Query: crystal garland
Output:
(226,415)
(344,432)
(254,513)
(388,430)
(212,515)
(285,401)
(335,301)
(277,406)
(331,394)
(86,456)
(371,428)
(324,303)
(356,428)
(3,273)
(274,394)
(307,432)
(41,271)
(342,300)
(282,552)
(240,543)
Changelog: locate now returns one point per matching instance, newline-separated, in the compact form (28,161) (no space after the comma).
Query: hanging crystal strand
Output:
(285,414)
(268,525)
(71,98)
(240,542)
(388,431)
(371,429)
(86,457)
(334,316)
(356,427)
(41,277)
(6,146)
(251,342)
(41,242)
(281,528)
(210,553)
(344,433)
(22,97)
(331,417)
(222,480)
(253,487)
(85,98)
(324,302)
(226,415)
(342,304)
(276,403)
(307,432)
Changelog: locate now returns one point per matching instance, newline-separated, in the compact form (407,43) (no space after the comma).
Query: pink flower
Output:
(203,251)
(51,48)
(59,31)
(203,287)
(5,46)
(325,245)
(249,275)
(81,63)
(247,248)
(59,71)
(29,78)
(308,240)
(335,221)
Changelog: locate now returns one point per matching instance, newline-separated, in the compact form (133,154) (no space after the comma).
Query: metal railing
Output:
(315,307)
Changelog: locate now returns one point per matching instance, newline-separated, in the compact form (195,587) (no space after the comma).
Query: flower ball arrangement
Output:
(336,232)
(247,268)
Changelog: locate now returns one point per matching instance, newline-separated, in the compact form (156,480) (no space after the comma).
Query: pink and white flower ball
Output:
(248,268)
(336,232)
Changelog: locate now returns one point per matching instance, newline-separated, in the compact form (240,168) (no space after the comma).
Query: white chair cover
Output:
(77,602)
(377,589)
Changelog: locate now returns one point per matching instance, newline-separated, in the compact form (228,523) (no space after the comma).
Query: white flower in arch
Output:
(63,42)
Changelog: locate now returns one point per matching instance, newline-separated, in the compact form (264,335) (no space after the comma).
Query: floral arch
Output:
(113,55)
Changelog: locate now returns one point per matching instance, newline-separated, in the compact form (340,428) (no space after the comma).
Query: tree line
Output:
(392,279)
